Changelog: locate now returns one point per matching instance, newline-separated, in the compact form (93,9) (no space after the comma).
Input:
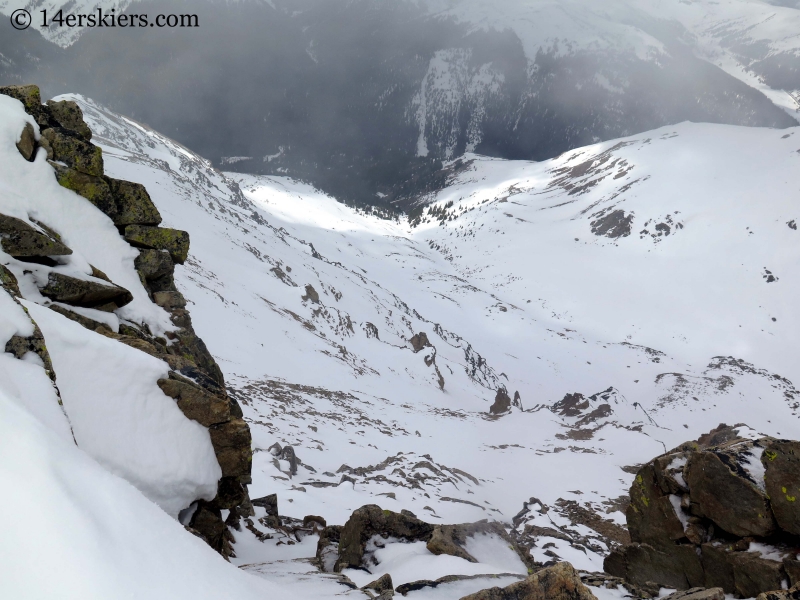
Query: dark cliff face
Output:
(339,93)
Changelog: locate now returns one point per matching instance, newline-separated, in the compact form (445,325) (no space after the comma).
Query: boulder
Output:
(73,151)
(169,300)
(9,282)
(328,547)
(69,116)
(452,539)
(559,582)
(153,264)
(792,567)
(380,585)
(697,593)
(753,574)
(419,341)
(195,402)
(174,241)
(27,142)
(311,294)
(502,402)
(678,567)
(651,516)
(95,189)
(85,292)
(314,521)
(369,521)
(133,203)
(232,445)
(22,240)
(781,460)
(32,101)
(730,500)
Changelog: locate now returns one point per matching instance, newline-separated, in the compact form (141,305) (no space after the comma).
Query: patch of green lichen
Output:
(386,513)
(91,190)
(771,454)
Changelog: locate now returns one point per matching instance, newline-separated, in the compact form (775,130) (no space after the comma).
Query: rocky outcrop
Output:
(195,381)
(719,512)
(559,582)
(24,241)
(452,539)
(419,341)
(502,402)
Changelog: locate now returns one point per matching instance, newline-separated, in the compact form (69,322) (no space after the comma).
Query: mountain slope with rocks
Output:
(514,351)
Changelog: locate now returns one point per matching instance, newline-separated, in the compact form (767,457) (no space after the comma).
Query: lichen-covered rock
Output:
(9,282)
(369,521)
(651,515)
(19,346)
(781,460)
(31,99)
(84,292)
(22,240)
(559,582)
(174,241)
(195,402)
(328,547)
(133,204)
(753,574)
(232,445)
(74,152)
(27,142)
(153,264)
(730,500)
(169,300)
(679,567)
(69,116)
(95,189)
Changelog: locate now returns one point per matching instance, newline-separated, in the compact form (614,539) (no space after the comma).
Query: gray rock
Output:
(502,402)
(133,203)
(195,402)
(21,240)
(27,143)
(369,521)
(419,341)
(86,293)
(95,189)
(31,100)
(69,116)
(727,498)
(232,445)
(452,539)
(792,593)
(311,294)
(74,152)
(781,459)
(380,585)
(153,264)
(174,241)
(169,300)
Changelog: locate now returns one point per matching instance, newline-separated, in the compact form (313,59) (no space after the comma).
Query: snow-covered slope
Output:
(634,294)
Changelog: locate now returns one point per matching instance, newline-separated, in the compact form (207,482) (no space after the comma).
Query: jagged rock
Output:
(753,574)
(19,346)
(559,582)
(651,516)
(380,585)
(311,294)
(792,593)
(74,152)
(451,539)
(69,116)
(781,460)
(697,593)
(153,264)
(419,341)
(95,189)
(32,101)
(232,494)
(207,521)
(328,547)
(133,204)
(369,521)
(730,500)
(189,344)
(27,142)
(501,402)
(174,241)
(86,293)
(679,568)
(270,503)
(22,240)
(232,445)
(195,402)
(169,300)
